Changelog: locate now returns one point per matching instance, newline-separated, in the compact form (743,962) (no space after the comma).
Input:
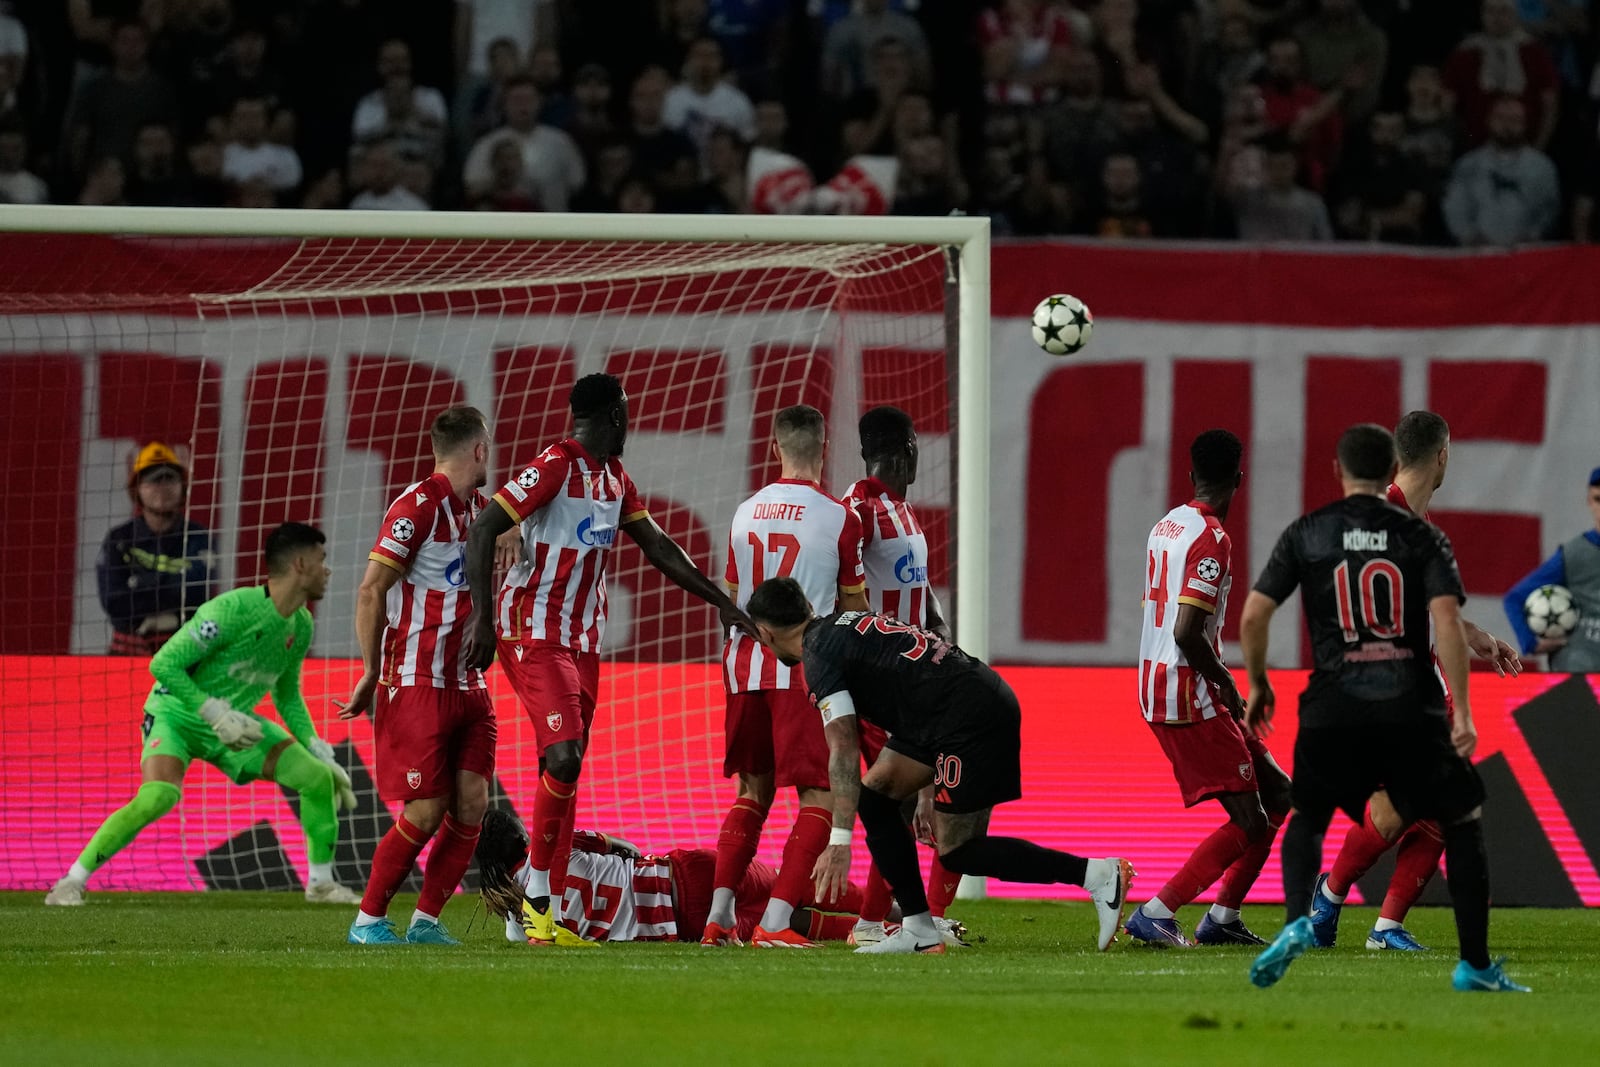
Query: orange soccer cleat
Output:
(717,934)
(780,939)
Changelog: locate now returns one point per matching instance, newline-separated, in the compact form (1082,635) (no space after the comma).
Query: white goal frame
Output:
(967,237)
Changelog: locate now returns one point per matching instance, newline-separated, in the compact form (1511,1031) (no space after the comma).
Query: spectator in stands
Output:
(1233,59)
(727,162)
(869,114)
(250,157)
(613,163)
(155,179)
(155,570)
(325,193)
(552,167)
(772,125)
(480,24)
(847,49)
(548,73)
(636,196)
(682,23)
(106,184)
(753,34)
(13,63)
(1562,26)
(379,176)
(1118,209)
(1433,135)
(1576,565)
(1168,164)
(409,117)
(207,186)
(113,105)
(18,185)
(702,102)
(1026,44)
(1124,42)
(1503,60)
(479,107)
(1274,207)
(241,71)
(1308,116)
(998,188)
(591,123)
(1380,193)
(1505,192)
(1345,48)
(1080,128)
(924,185)
(656,146)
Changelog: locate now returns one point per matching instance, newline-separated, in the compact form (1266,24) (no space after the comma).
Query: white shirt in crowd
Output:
(699,114)
(275,164)
(552,166)
(371,119)
(397,199)
(20,187)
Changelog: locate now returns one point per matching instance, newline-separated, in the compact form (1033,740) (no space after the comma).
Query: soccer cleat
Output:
(867,933)
(903,942)
(331,893)
(1324,915)
(65,893)
(1211,932)
(514,932)
(717,934)
(378,933)
(543,931)
(780,939)
(1290,944)
(1162,933)
(1395,938)
(1491,979)
(429,932)
(953,932)
(1110,905)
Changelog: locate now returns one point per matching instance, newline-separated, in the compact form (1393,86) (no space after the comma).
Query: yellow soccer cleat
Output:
(543,931)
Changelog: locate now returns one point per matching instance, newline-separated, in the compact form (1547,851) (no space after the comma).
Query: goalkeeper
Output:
(209,678)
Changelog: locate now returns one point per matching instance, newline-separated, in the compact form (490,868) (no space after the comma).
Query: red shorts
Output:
(425,735)
(1211,757)
(558,688)
(873,738)
(777,732)
(694,874)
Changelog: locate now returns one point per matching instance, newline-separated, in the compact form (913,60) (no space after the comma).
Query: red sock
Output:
(452,853)
(806,842)
(1361,849)
(875,904)
(551,802)
(563,856)
(942,886)
(1213,856)
(393,860)
(736,844)
(1415,862)
(829,925)
(1238,879)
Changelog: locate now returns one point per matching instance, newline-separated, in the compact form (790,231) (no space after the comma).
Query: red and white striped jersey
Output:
(424,537)
(1186,562)
(571,508)
(614,898)
(790,529)
(894,551)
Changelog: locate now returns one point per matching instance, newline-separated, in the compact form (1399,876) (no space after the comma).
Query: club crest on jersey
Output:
(402,529)
(1247,771)
(1208,569)
(414,778)
(528,478)
(553,720)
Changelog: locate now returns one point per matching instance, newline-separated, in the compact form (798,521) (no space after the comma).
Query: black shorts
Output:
(975,750)
(1410,759)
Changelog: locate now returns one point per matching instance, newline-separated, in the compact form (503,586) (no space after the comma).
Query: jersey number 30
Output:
(1364,592)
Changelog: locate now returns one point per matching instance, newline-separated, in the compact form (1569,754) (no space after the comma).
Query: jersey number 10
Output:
(1365,590)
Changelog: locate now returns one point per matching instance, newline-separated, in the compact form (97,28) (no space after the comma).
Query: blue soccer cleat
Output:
(429,932)
(379,933)
(1324,915)
(1211,932)
(1397,938)
(1290,944)
(1161,933)
(1491,979)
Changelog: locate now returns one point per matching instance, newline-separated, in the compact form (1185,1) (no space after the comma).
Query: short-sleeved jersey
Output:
(424,537)
(1367,572)
(1187,561)
(908,680)
(236,648)
(571,508)
(614,898)
(894,551)
(789,529)
(1396,496)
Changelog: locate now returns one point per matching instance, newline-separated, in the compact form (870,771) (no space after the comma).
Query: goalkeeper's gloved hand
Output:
(341,781)
(233,727)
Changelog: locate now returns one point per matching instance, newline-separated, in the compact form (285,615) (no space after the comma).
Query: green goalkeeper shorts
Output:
(185,736)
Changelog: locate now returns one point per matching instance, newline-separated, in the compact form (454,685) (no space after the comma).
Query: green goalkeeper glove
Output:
(233,728)
(341,781)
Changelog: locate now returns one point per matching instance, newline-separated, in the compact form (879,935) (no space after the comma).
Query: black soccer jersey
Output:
(903,678)
(1367,571)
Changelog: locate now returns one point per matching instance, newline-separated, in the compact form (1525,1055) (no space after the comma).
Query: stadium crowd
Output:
(1423,121)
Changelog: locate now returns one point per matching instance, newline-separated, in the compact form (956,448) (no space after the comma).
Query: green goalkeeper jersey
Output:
(236,648)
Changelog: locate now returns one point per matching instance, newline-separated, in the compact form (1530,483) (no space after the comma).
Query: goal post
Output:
(313,413)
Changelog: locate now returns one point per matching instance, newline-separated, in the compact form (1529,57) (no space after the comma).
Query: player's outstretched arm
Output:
(668,557)
(1487,646)
(1189,633)
(486,529)
(1254,625)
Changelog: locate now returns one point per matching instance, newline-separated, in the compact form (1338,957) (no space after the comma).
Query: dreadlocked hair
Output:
(502,845)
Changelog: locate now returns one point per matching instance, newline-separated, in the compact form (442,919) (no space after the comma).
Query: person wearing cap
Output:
(1576,565)
(157,569)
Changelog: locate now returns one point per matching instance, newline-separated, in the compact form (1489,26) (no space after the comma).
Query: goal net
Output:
(297,375)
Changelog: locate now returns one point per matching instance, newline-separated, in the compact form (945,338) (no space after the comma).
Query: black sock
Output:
(893,849)
(1302,858)
(1468,867)
(1012,859)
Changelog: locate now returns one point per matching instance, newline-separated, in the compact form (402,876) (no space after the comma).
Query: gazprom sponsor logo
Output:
(602,538)
(456,572)
(907,572)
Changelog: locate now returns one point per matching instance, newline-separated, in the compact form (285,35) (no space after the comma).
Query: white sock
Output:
(420,914)
(1387,924)
(363,919)
(538,884)
(1100,879)
(777,915)
(723,910)
(321,872)
(1337,898)
(78,873)
(1219,914)
(869,923)
(1154,909)
(920,926)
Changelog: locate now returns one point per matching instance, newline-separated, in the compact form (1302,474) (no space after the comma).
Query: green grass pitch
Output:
(243,978)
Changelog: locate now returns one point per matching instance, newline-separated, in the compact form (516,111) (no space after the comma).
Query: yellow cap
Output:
(156,454)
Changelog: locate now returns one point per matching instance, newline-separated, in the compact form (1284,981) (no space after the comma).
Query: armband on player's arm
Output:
(836,706)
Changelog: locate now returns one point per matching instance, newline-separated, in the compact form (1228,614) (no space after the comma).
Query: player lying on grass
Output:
(953,722)
(209,678)
(615,893)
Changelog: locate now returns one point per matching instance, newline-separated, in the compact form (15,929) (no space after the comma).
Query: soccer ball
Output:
(1550,611)
(1062,324)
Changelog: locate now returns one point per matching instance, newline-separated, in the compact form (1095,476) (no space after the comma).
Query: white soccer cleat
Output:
(1111,899)
(903,942)
(515,933)
(331,893)
(867,933)
(66,893)
(953,932)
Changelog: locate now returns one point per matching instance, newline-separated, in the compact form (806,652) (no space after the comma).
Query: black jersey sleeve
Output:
(1281,576)
(1440,575)
(826,655)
